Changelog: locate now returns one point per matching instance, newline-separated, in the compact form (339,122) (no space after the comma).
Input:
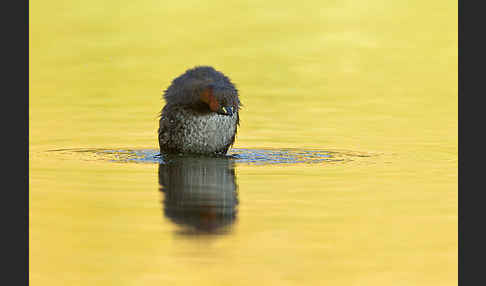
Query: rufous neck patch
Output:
(208,97)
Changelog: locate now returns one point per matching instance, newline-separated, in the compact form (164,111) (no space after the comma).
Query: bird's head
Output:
(204,88)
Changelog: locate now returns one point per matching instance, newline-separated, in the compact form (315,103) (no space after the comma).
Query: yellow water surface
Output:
(374,77)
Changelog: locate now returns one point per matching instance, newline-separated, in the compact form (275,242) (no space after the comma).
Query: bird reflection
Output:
(200,193)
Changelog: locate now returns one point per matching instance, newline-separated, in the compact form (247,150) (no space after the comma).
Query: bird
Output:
(201,113)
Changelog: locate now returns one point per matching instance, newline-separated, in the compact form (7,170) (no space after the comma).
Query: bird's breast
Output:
(203,132)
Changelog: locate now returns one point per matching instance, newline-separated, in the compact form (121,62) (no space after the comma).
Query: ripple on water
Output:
(239,155)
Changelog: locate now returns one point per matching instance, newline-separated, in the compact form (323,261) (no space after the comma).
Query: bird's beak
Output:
(226,110)
(208,97)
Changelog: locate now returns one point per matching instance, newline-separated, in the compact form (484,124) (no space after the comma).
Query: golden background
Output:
(378,77)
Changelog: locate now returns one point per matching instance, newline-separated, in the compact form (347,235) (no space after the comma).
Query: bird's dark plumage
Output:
(201,114)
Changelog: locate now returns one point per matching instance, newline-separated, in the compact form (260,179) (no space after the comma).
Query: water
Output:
(344,170)
(238,155)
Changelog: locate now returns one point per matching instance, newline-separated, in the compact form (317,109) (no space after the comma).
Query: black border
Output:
(15,141)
